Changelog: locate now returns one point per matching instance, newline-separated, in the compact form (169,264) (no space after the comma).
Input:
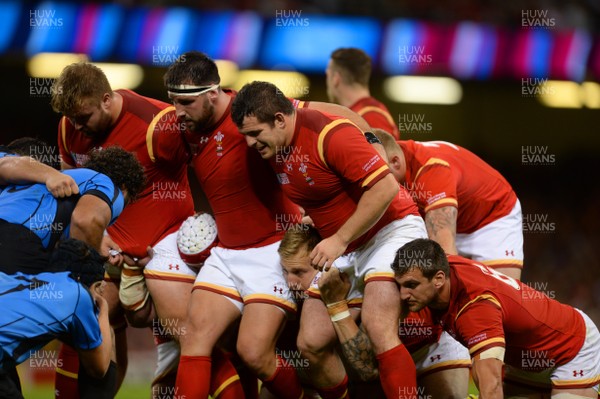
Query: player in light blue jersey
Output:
(32,220)
(64,304)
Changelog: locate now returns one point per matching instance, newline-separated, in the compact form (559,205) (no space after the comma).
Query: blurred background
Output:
(516,82)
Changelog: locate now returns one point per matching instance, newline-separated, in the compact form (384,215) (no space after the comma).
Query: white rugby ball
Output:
(197,235)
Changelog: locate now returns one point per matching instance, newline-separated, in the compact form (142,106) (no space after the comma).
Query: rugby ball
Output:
(197,235)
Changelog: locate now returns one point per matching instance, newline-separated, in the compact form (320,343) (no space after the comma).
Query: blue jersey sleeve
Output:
(85,329)
(93,183)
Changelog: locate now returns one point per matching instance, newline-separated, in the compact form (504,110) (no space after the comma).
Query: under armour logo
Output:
(511,252)
(277,289)
(575,373)
(203,140)
(171,267)
(436,357)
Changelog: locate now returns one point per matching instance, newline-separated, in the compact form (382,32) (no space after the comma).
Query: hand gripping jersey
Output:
(327,168)
(150,129)
(442,174)
(34,207)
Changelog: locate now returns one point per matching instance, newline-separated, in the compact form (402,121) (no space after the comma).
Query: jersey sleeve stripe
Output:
(430,162)
(488,343)
(372,108)
(63,132)
(323,135)
(443,202)
(485,297)
(377,173)
(150,131)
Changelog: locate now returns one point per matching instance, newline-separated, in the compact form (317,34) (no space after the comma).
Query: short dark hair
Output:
(37,149)
(82,260)
(353,64)
(261,100)
(194,68)
(422,254)
(120,166)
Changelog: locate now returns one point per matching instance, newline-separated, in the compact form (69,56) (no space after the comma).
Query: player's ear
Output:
(279,121)
(394,161)
(439,279)
(106,100)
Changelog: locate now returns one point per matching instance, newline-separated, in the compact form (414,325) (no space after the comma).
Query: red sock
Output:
(193,377)
(225,381)
(284,383)
(65,380)
(398,373)
(339,391)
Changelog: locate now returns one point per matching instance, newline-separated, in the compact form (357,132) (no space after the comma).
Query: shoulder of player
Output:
(147,109)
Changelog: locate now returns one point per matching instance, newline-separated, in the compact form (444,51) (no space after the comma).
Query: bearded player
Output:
(94,117)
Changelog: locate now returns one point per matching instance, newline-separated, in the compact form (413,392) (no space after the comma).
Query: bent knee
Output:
(258,359)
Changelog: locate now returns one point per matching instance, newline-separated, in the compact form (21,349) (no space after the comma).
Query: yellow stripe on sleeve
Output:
(150,131)
(323,134)
(431,161)
(373,175)
(378,110)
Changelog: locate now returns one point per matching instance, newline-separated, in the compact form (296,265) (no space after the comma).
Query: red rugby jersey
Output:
(327,168)
(376,114)
(489,309)
(249,206)
(418,329)
(149,128)
(442,174)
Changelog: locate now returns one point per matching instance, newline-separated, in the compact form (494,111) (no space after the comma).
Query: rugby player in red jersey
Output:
(469,208)
(543,345)
(357,207)
(95,117)
(347,79)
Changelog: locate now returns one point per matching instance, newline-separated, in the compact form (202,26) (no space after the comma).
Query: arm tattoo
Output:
(359,353)
(441,219)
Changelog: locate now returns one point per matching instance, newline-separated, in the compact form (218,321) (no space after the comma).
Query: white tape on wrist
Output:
(340,316)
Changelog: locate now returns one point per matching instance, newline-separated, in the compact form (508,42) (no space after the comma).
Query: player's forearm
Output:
(340,110)
(23,170)
(107,338)
(371,206)
(89,230)
(357,348)
(441,227)
(487,375)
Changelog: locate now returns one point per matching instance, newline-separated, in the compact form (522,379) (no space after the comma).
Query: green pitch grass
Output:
(126,392)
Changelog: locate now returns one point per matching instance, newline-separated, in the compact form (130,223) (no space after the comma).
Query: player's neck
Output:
(221,105)
(402,166)
(443,299)
(115,107)
(349,95)
(290,128)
